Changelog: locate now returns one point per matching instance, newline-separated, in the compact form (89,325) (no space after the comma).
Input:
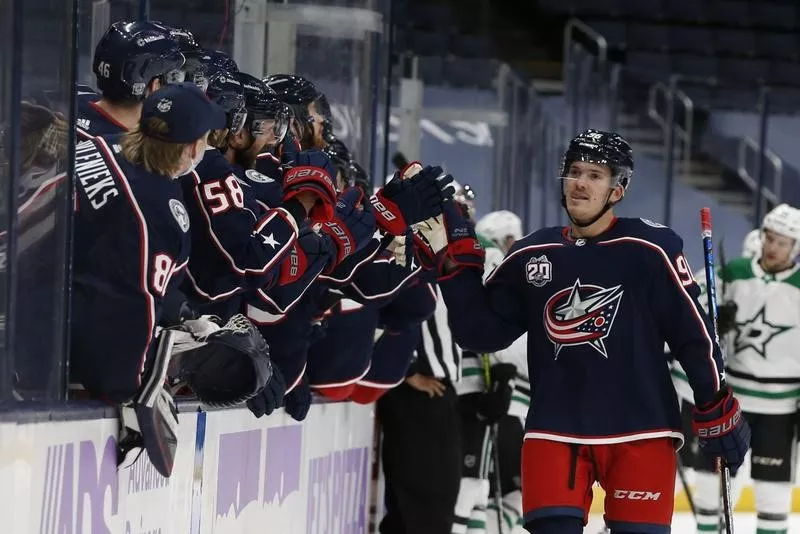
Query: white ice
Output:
(683,523)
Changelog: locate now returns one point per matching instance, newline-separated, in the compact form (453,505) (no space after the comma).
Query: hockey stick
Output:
(493,433)
(711,292)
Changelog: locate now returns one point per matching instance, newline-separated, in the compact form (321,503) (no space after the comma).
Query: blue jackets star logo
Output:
(756,333)
(270,240)
(581,315)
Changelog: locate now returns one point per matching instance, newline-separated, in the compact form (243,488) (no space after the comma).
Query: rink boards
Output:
(233,473)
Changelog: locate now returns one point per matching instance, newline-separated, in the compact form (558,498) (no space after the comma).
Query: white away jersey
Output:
(763,350)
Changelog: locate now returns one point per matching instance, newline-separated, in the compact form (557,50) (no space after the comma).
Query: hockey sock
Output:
(706,501)
(477,520)
(773,504)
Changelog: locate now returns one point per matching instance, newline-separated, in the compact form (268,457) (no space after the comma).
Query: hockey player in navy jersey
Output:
(131,238)
(237,244)
(132,60)
(598,300)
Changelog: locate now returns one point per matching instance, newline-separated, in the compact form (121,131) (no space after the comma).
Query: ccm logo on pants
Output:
(637,495)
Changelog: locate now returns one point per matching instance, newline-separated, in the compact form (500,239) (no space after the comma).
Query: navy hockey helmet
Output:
(225,90)
(219,60)
(298,92)
(197,60)
(603,148)
(264,110)
(130,55)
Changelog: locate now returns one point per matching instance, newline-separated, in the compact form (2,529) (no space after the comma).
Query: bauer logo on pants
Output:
(539,271)
(581,315)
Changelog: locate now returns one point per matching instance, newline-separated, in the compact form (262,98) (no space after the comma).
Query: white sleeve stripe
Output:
(394,290)
(523,249)
(677,280)
(207,296)
(353,271)
(145,253)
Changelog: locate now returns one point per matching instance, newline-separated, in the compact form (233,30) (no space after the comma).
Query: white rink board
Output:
(233,473)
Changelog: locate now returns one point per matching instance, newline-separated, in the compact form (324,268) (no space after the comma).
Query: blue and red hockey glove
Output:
(353,224)
(409,199)
(450,241)
(722,430)
(312,172)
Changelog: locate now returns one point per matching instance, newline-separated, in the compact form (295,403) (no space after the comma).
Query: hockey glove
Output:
(298,401)
(408,200)
(353,224)
(493,404)
(723,431)
(225,366)
(430,238)
(312,172)
(726,317)
(451,240)
(311,252)
(271,397)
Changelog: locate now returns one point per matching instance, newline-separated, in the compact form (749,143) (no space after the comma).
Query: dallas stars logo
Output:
(756,333)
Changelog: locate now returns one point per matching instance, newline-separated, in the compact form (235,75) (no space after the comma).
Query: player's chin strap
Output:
(608,205)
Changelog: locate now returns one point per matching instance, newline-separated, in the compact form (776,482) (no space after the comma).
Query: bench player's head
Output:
(312,114)
(171,138)
(225,90)
(595,172)
(780,238)
(266,124)
(135,59)
(502,227)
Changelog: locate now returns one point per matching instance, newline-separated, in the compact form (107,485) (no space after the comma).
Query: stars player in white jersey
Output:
(760,319)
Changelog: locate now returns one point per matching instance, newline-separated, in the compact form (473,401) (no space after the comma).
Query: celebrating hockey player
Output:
(762,331)
(132,60)
(598,300)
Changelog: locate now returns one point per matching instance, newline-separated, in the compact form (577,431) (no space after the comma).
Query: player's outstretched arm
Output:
(482,318)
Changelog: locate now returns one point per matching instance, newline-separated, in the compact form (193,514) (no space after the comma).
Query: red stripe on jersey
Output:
(682,289)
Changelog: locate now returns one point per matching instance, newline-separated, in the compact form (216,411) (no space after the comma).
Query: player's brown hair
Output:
(219,139)
(160,157)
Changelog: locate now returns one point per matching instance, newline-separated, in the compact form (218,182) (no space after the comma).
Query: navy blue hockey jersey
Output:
(90,119)
(131,245)
(597,312)
(237,244)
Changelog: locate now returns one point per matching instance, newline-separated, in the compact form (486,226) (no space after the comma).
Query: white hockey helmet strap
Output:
(784,220)
(751,247)
(497,225)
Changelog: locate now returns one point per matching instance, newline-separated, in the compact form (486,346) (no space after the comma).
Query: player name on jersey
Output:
(91,170)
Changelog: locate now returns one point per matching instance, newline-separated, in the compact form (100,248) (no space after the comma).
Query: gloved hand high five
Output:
(451,240)
(411,197)
(722,430)
(312,172)
(353,224)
